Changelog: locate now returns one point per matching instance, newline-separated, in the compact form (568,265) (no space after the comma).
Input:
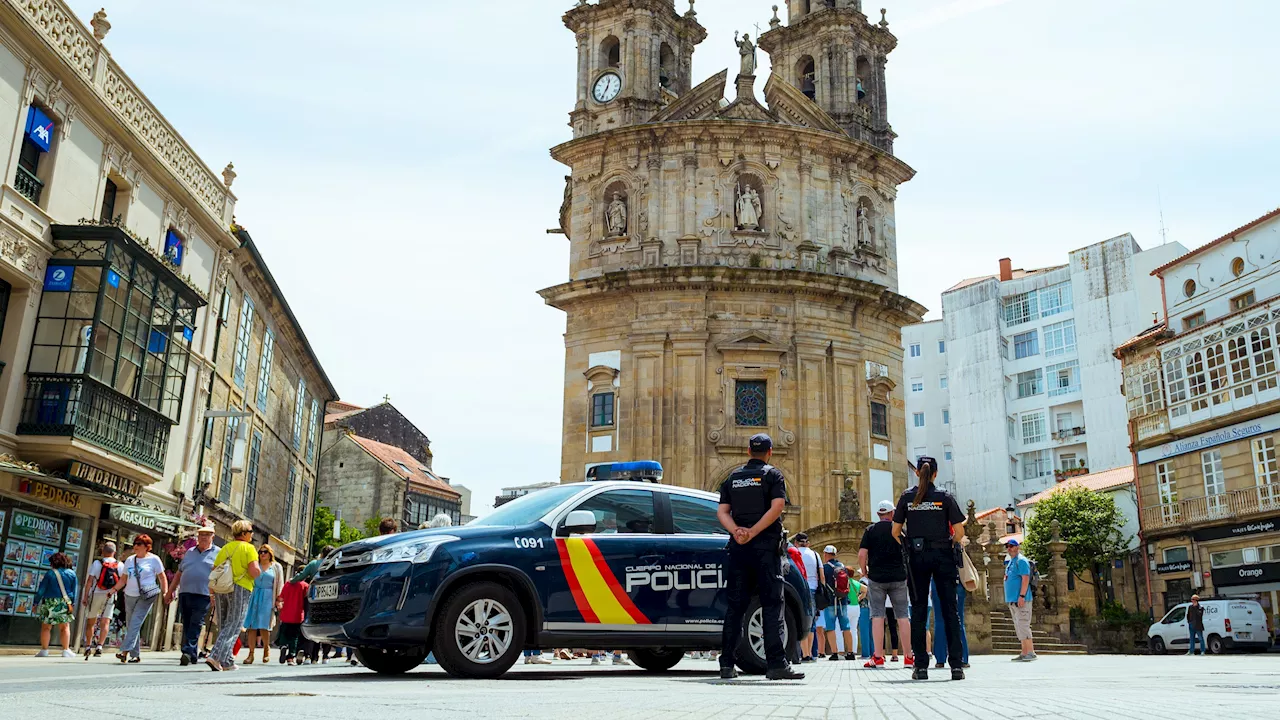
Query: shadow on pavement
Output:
(435,676)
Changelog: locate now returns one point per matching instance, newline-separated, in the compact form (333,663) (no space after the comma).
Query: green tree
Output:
(1089,523)
(322,530)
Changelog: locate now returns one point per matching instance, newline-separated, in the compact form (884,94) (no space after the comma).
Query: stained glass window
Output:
(751,407)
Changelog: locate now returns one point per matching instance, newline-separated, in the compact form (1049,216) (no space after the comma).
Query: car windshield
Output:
(529,508)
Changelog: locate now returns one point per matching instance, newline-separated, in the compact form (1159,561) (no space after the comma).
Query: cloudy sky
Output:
(393,165)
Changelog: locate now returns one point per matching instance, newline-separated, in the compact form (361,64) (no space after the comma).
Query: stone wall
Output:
(357,484)
(387,425)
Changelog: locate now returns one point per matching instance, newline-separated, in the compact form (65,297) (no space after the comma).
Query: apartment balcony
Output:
(30,186)
(1069,436)
(80,408)
(1234,505)
(1060,475)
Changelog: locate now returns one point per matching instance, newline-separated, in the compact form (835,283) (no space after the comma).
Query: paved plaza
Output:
(1054,687)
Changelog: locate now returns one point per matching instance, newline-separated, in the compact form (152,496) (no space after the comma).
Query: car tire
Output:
(1157,646)
(493,645)
(1214,645)
(390,662)
(749,660)
(656,659)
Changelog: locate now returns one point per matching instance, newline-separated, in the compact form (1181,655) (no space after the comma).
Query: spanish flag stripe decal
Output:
(618,593)
(574,587)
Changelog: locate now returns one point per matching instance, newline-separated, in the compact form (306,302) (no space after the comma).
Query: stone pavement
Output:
(1231,686)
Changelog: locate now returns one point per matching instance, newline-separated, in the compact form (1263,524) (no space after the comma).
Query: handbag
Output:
(57,575)
(968,572)
(222,580)
(823,597)
(148,593)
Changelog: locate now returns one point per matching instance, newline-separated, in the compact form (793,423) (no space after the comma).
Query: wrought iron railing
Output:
(80,407)
(1068,433)
(1223,506)
(28,184)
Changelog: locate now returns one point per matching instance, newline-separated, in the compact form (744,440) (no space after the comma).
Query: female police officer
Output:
(932,519)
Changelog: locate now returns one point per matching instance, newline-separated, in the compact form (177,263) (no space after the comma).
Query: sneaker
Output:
(539,660)
(214,665)
(619,660)
(783,673)
(1030,657)
(354,662)
(528,660)
(184,661)
(909,661)
(957,673)
(595,660)
(97,651)
(920,674)
(728,673)
(870,664)
(68,654)
(1020,658)
(893,659)
(850,657)
(43,653)
(134,660)
(229,668)
(806,659)
(834,656)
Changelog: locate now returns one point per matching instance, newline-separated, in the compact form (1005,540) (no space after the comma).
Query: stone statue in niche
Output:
(616,216)
(747,50)
(850,507)
(749,208)
(865,235)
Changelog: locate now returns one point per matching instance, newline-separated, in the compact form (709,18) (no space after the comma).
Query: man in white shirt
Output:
(97,600)
(813,575)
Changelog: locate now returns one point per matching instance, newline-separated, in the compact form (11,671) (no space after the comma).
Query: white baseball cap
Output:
(885,507)
(829,549)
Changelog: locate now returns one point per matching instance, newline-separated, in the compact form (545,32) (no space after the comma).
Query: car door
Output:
(605,567)
(1174,628)
(698,602)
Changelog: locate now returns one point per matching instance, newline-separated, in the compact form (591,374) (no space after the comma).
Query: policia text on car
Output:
(752,499)
(933,523)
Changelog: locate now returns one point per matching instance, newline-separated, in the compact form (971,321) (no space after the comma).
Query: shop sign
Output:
(30,526)
(1174,567)
(1210,439)
(107,480)
(130,516)
(1222,532)
(1247,574)
(49,494)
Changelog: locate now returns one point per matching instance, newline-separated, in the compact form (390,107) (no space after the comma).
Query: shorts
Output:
(1021,620)
(895,591)
(838,613)
(97,607)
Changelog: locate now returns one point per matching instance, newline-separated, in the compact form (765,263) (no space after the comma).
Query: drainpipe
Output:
(1142,538)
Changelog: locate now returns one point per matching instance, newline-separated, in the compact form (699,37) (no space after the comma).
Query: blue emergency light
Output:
(638,471)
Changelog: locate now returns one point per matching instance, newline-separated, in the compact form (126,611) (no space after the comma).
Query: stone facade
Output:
(385,424)
(733,269)
(364,479)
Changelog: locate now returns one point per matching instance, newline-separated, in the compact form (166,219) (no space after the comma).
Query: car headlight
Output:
(417,550)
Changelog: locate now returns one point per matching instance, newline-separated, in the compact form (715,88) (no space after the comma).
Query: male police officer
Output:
(751,502)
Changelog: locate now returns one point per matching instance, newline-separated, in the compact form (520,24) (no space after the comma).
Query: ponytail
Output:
(928,469)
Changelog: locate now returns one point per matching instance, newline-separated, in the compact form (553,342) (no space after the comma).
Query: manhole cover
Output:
(270,694)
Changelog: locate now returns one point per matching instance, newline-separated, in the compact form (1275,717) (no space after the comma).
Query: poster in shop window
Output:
(46,554)
(31,554)
(2,516)
(9,577)
(7,601)
(29,526)
(25,604)
(13,551)
(74,557)
(27,579)
(74,536)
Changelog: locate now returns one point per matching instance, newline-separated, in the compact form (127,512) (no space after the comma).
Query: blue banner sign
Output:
(57,278)
(39,128)
(113,278)
(173,248)
(1204,441)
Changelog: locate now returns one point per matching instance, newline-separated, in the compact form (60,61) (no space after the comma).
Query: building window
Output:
(1070,461)
(1241,302)
(602,410)
(1264,358)
(228,455)
(1004,348)
(36,141)
(1060,338)
(1177,554)
(109,192)
(917,419)
(1175,381)
(1264,462)
(1020,308)
(1191,322)
(1056,299)
(1030,383)
(1032,428)
(1011,425)
(942,347)
(1227,558)
(244,334)
(917,385)
(304,514)
(750,403)
(946,453)
(914,350)
(1013,468)
(1167,487)
(1036,464)
(946,416)
(208,433)
(286,524)
(264,368)
(311,431)
(1026,345)
(1189,288)
(1241,370)
(1142,388)
(1237,267)
(299,404)
(1215,483)
(251,478)
(942,382)
(879,419)
(1064,378)
(1216,362)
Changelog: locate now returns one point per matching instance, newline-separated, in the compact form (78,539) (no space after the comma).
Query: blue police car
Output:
(611,563)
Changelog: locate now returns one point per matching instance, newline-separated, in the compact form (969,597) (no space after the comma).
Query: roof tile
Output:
(403,464)
(1097,482)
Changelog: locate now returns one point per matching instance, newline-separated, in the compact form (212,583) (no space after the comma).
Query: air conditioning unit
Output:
(180,484)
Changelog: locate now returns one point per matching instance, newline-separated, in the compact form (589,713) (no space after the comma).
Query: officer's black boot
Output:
(783,673)
(920,674)
(728,672)
(957,673)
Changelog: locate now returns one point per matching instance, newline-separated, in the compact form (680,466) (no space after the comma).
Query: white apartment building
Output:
(924,371)
(1032,385)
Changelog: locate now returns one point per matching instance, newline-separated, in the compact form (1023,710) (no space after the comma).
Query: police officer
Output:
(751,502)
(933,525)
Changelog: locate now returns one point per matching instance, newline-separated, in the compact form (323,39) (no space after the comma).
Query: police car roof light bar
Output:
(638,471)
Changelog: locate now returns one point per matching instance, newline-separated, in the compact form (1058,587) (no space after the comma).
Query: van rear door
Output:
(1247,621)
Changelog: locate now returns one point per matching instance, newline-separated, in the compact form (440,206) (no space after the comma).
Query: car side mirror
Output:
(579,521)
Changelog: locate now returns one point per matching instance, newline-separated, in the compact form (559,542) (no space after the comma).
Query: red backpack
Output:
(110,574)
(842,581)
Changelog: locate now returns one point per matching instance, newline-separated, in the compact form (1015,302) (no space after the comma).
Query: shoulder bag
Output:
(968,573)
(222,579)
(57,575)
(145,593)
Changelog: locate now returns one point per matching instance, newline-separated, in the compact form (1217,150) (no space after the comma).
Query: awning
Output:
(149,518)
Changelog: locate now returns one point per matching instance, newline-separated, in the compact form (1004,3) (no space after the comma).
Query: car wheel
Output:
(390,662)
(1215,645)
(656,659)
(480,632)
(751,656)
(1157,646)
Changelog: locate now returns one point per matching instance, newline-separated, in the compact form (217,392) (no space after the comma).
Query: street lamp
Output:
(1010,519)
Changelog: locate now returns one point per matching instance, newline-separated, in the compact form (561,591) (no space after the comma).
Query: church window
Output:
(863,78)
(806,77)
(879,419)
(751,404)
(611,52)
(602,410)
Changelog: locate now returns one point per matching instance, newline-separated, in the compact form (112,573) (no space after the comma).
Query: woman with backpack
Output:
(55,604)
(143,580)
(99,599)
(234,572)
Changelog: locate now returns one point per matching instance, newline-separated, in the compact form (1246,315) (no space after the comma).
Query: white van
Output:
(1228,624)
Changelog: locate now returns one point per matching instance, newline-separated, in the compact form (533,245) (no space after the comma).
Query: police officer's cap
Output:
(760,443)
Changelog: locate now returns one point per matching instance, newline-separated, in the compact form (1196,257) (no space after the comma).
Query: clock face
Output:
(607,87)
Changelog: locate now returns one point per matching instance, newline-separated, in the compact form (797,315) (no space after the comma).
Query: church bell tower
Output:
(634,57)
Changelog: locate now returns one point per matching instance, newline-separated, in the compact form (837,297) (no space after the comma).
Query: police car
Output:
(610,563)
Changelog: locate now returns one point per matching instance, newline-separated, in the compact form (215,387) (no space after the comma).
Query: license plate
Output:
(328,591)
(1245,635)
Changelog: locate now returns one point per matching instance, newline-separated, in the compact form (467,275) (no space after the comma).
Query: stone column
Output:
(977,618)
(806,173)
(1057,618)
(995,568)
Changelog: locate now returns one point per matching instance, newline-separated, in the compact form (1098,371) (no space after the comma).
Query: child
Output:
(292,612)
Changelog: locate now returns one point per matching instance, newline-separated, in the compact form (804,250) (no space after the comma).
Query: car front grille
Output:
(337,612)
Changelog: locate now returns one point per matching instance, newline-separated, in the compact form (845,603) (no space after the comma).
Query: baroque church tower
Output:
(733,263)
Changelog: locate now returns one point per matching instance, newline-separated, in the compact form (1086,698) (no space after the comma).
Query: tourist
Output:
(1019,594)
(812,570)
(865,644)
(144,582)
(243,561)
(1195,626)
(881,562)
(293,600)
(259,619)
(99,598)
(940,632)
(55,604)
(440,520)
(192,587)
(388,526)
(836,617)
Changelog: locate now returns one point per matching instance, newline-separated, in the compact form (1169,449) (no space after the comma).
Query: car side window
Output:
(622,511)
(1176,616)
(695,516)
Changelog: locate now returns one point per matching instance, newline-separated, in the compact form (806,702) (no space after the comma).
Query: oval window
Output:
(1189,288)
(1237,267)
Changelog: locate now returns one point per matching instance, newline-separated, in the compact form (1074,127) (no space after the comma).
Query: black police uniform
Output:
(931,557)
(757,566)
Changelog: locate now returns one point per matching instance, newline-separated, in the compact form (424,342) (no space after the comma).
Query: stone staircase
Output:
(1004,639)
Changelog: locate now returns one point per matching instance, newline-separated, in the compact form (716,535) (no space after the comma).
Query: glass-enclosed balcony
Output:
(112,344)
